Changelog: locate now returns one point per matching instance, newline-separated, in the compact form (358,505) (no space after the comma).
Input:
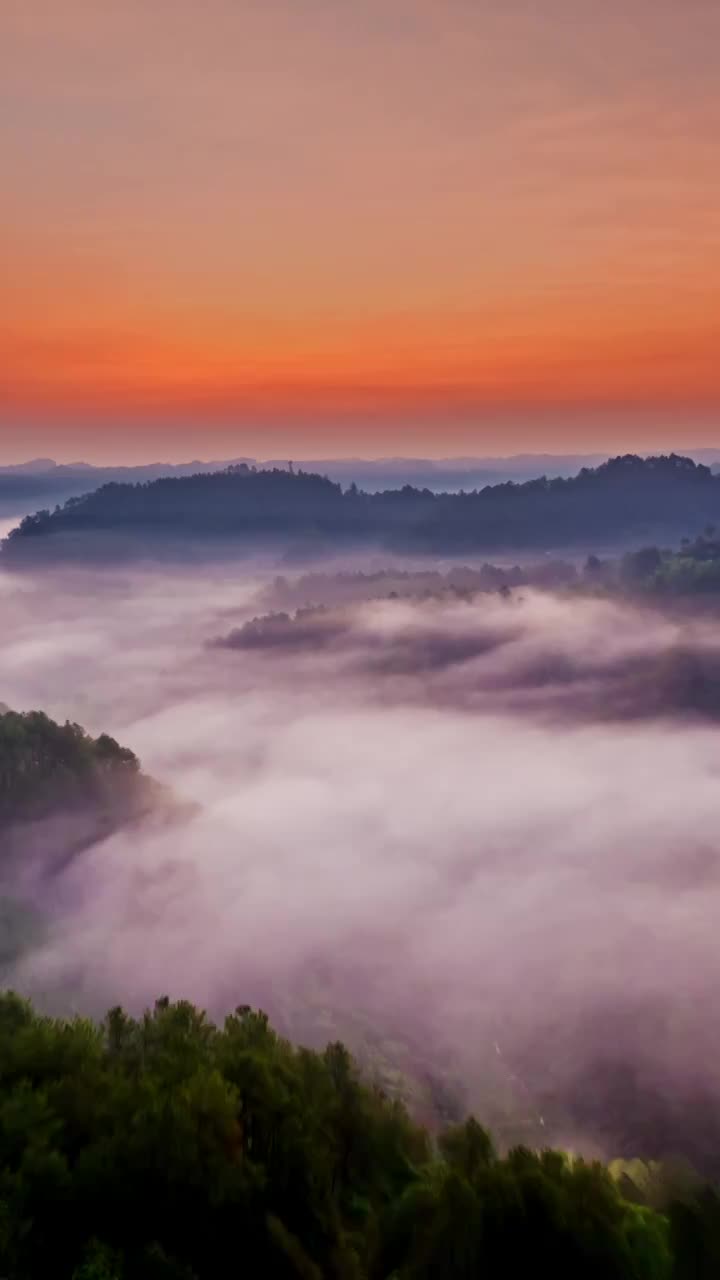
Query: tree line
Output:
(627,498)
(45,765)
(166,1147)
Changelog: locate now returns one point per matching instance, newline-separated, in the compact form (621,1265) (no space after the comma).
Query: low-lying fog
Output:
(489,824)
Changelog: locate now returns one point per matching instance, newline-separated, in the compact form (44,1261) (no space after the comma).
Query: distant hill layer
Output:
(33,484)
(26,486)
(625,500)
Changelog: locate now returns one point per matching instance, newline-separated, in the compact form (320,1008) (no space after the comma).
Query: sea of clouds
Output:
(488,825)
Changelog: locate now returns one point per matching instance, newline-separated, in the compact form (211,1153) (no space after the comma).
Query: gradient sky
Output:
(358,226)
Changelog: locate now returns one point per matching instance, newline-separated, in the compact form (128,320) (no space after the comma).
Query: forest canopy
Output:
(626,499)
(46,766)
(168,1147)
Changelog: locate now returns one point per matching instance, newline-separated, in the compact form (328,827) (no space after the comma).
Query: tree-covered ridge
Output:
(168,1147)
(45,767)
(693,569)
(352,586)
(627,497)
(314,627)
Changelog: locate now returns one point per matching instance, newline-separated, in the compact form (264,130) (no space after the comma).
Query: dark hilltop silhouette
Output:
(624,502)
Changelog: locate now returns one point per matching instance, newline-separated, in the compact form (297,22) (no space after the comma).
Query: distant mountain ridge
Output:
(27,485)
(627,500)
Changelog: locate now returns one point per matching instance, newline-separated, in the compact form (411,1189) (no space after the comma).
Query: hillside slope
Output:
(628,500)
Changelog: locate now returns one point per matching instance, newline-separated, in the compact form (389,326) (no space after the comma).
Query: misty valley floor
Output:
(473,822)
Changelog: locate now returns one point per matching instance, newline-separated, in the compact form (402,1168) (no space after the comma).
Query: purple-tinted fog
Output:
(488,825)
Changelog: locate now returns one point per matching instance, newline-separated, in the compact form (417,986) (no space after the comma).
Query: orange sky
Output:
(358,226)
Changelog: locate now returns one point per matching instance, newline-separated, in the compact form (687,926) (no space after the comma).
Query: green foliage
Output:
(45,766)
(532,1211)
(149,1147)
(695,1236)
(48,772)
(694,570)
(168,1148)
(100,1263)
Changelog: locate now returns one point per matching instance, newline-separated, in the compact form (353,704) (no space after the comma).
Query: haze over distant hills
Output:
(39,482)
(625,502)
(45,480)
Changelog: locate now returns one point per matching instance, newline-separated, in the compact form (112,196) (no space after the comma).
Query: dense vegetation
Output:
(628,498)
(60,791)
(46,766)
(167,1147)
(693,570)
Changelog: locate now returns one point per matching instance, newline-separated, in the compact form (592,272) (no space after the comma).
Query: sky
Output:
(341,227)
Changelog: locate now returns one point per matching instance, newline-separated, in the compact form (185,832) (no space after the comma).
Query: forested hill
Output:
(49,770)
(628,499)
(167,1148)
